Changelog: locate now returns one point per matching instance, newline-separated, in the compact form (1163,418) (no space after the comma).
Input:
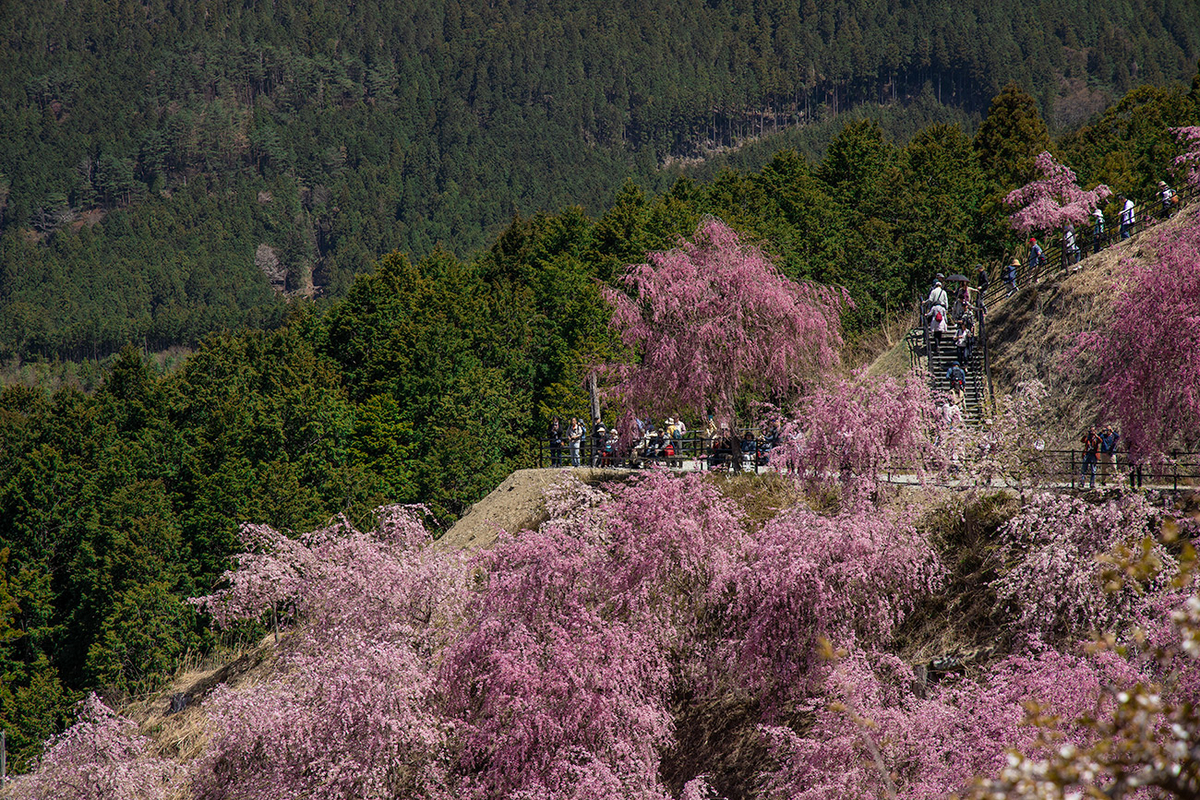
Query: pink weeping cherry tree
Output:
(851,429)
(1052,200)
(1148,355)
(714,322)
(101,757)
(1187,165)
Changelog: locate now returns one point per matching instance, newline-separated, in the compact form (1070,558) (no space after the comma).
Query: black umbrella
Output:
(957,277)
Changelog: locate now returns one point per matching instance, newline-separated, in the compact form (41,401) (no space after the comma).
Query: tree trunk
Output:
(593,395)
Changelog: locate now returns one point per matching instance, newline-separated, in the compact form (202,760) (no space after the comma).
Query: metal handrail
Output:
(692,449)
(1146,214)
(1058,468)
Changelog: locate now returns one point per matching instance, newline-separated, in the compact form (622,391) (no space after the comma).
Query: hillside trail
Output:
(1028,333)
(518,503)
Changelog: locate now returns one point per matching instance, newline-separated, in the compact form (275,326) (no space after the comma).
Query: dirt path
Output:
(514,505)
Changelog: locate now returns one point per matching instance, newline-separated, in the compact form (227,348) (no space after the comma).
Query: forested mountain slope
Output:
(432,379)
(163,163)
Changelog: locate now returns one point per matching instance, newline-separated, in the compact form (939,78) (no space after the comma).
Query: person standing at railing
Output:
(1010,276)
(1070,249)
(749,451)
(722,449)
(1127,217)
(1097,230)
(555,435)
(1091,447)
(608,456)
(599,435)
(1108,452)
(574,439)
(1167,197)
(1037,256)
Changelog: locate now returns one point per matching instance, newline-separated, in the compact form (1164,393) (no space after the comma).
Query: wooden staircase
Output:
(974,388)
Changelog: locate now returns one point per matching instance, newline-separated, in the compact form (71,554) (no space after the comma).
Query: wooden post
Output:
(593,397)
(3,757)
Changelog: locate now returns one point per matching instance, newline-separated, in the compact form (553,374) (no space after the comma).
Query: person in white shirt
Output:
(938,297)
(936,315)
(1070,249)
(1127,218)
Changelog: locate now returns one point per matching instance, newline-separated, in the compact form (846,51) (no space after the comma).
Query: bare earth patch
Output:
(516,504)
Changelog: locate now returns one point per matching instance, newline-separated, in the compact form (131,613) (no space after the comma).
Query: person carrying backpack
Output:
(1010,276)
(1037,256)
(937,326)
(938,296)
(957,379)
(1168,198)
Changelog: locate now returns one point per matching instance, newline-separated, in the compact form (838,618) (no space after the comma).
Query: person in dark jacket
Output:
(1091,449)
(956,376)
(1108,452)
(1010,277)
(555,435)
(599,435)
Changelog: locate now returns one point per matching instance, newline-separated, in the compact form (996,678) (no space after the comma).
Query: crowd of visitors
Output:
(952,305)
(671,443)
(719,448)
(1073,250)
(940,312)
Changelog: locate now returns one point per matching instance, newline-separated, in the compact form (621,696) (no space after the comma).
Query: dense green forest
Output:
(164,164)
(430,379)
(456,185)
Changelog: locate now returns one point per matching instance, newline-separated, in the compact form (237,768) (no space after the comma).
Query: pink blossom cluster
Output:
(1148,354)
(1053,556)
(551,674)
(553,664)
(873,736)
(1006,449)
(714,321)
(1187,164)
(850,429)
(350,712)
(101,757)
(1053,200)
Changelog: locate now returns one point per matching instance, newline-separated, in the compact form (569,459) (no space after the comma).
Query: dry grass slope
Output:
(1030,333)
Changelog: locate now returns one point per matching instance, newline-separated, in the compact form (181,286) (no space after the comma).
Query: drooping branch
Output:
(714,321)
(1053,200)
